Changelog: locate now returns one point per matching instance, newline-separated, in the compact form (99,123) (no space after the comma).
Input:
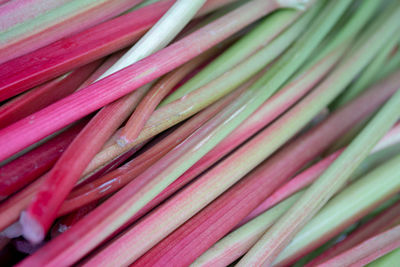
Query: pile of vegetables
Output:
(201,132)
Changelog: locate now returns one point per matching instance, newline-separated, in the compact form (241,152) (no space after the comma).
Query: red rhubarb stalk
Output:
(367,230)
(55,59)
(368,250)
(44,95)
(23,170)
(101,93)
(67,19)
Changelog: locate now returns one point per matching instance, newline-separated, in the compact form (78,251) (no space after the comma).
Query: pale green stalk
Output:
(367,77)
(177,111)
(260,36)
(389,260)
(171,23)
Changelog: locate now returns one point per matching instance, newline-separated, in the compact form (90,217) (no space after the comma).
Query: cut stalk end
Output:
(13,231)
(32,230)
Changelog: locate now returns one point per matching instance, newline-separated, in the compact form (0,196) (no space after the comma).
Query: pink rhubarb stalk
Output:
(77,105)
(368,250)
(25,169)
(67,19)
(44,95)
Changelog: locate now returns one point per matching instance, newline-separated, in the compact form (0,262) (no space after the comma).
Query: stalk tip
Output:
(31,228)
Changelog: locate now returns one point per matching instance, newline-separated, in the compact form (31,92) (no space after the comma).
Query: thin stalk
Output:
(260,36)
(365,231)
(16,12)
(70,18)
(40,214)
(44,95)
(161,34)
(274,241)
(103,92)
(23,170)
(149,103)
(369,250)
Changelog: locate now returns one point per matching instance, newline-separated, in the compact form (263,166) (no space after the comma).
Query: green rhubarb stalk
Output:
(367,77)
(161,34)
(260,36)
(274,241)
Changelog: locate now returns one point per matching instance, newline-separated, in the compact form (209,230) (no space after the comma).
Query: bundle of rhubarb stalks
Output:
(200,132)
